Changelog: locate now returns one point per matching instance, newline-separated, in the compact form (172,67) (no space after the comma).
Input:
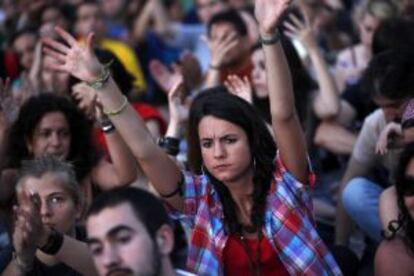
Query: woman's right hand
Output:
(75,58)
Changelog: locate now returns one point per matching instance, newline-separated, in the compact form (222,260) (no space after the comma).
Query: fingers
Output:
(89,42)
(61,58)
(69,39)
(298,23)
(290,27)
(57,46)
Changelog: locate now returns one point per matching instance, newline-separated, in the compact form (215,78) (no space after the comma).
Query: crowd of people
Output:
(207,137)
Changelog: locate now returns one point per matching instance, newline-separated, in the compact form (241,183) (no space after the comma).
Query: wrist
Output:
(270,38)
(215,66)
(23,264)
(43,237)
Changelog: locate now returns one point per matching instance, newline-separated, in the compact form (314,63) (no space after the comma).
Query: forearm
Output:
(161,18)
(132,128)
(142,22)
(328,92)
(122,158)
(280,85)
(128,124)
(75,254)
(174,129)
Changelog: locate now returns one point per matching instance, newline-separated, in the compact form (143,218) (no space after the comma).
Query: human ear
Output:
(165,239)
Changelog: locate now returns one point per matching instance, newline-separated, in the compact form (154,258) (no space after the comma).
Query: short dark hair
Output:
(393,33)
(390,75)
(48,164)
(230,16)
(148,209)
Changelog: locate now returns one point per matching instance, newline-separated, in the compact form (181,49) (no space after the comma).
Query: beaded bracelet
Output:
(103,77)
(117,110)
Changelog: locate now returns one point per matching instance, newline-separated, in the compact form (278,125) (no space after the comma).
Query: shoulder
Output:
(393,258)
(375,120)
(344,57)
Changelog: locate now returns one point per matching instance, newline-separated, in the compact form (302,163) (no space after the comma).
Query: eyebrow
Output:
(112,232)
(229,135)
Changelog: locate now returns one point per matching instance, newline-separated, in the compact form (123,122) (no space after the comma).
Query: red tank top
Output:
(236,261)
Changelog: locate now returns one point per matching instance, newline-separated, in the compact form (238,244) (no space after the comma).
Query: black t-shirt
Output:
(40,269)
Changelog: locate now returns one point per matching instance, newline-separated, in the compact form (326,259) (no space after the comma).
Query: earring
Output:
(202,170)
(254,163)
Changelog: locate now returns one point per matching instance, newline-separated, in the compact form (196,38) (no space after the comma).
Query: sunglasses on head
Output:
(407,187)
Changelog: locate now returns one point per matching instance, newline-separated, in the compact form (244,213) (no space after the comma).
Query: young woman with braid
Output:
(249,212)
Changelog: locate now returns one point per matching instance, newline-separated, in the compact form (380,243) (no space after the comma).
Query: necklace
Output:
(254,265)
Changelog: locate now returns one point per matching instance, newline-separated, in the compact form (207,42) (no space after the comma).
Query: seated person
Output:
(46,240)
(395,255)
(129,231)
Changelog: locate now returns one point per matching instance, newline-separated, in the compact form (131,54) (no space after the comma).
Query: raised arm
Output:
(122,170)
(81,62)
(326,102)
(30,234)
(285,123)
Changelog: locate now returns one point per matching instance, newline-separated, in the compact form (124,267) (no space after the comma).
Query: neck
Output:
(167,269)
(241,192)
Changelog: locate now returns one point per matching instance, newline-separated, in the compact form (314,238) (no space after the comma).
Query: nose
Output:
(55,139)
(219,150)
(110,258)
(45,210)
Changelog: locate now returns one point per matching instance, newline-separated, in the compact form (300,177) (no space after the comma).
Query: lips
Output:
(221,167)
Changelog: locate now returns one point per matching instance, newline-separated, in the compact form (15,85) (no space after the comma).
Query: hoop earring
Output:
(202,170)
(254,163)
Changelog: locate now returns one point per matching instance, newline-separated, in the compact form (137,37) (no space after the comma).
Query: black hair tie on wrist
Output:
(178,190)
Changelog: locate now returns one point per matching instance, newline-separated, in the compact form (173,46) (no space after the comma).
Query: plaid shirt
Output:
(289,226)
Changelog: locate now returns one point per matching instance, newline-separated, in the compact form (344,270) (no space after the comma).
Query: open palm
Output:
(72,56)
(268,13)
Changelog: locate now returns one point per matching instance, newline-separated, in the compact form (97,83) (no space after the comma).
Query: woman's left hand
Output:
(268,14)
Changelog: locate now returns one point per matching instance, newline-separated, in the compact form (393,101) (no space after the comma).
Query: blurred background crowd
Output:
(352,66)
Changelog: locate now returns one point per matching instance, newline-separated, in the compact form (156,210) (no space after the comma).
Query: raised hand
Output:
(301,30)
(268,14)
(86,97)
(240,87)
(29,231)
(73,57)
(9,106)
(163,76)
(178,111)
(220,47)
